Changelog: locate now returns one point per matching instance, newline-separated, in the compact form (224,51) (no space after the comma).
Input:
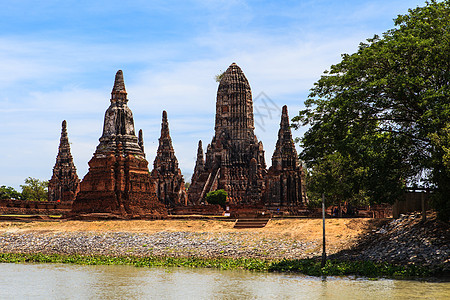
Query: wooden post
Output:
(324,254)
(424,209)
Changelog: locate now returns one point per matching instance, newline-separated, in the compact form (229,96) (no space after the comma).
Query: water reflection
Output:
(53,281)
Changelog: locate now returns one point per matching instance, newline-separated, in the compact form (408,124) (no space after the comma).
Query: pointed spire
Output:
(166,173)
(64,155)
(141,140)
(165,153)
(200,162)
(64,183)
(285,154)
(119,92)
(164,125)
(284,118)
(64,140)
(118,124)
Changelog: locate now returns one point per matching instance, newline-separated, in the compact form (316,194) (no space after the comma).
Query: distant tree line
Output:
(33,189)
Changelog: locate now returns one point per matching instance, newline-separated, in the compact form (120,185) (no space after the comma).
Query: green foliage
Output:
(335,176)
(7,192)
(217,197)
(359,268)
(35,190)
(378,110)
(441,173)
(304,266)
(219,76)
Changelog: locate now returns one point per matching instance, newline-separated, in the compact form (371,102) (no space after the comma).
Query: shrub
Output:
(217,197)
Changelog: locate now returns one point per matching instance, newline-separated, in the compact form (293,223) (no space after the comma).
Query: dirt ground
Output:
(340,233)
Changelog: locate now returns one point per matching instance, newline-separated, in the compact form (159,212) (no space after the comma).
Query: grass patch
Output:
(305,266)
(359,268)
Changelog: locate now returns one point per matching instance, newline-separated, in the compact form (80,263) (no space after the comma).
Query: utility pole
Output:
(324,254)
(424,208)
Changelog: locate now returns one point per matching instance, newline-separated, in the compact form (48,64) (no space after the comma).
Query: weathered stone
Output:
(234,159)
(118,181)
(199,177)
(118,127)
(166,174)
(285,184)
(64,184)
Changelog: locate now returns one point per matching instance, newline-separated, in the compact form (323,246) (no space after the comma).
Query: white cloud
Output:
(47,79)
(186,89)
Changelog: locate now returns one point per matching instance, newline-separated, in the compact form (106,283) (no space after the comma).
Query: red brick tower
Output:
(285,184)
(167,175)
(64,184)
(234,145)
(118,181)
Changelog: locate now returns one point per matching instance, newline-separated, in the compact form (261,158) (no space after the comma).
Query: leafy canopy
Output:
(217,197)
(35,189)
(7,192)
(386,106)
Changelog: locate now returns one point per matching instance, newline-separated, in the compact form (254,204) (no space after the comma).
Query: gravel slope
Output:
(406,240)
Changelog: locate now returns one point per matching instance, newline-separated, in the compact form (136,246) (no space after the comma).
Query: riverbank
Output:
(407,240)
(310,267)
(281,238)
(283,245)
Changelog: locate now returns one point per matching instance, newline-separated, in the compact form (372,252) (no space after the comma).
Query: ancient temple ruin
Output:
(118,182)
(234,158)
(198,177)
(166,174)
(285,184)
(64,184)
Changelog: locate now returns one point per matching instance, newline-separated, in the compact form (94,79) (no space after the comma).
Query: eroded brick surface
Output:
(64,184)
(169,182)
(234,158)
(118,181)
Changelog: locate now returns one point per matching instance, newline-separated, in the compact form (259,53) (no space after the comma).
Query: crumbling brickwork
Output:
(285,179)
(166,174)
(234,158)
(118,181)
(64,184)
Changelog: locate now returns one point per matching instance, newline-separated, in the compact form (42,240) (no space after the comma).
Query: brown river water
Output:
(58,281)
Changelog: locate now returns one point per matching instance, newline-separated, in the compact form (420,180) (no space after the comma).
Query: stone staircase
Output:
(251,223)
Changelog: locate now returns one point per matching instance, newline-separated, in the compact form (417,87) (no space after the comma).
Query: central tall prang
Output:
(234,159)
(118,181)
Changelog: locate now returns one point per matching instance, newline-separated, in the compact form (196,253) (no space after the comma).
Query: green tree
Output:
(7,192)
(386,107)
(337,179)
(217,197)
(35,189)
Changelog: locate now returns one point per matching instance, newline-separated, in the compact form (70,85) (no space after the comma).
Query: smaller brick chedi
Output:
(118,181)
(199,177)
(64,184)
(166,174)
(285,184)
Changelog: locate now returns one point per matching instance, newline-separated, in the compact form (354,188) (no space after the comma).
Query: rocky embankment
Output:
(198,244)
(406,240)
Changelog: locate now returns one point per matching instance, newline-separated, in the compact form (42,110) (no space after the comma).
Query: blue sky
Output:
(59,58)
